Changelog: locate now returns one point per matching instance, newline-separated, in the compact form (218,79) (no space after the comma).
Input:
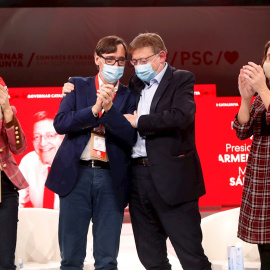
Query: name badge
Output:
(98,147)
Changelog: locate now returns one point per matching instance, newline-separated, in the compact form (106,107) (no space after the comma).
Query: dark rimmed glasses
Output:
(111,61)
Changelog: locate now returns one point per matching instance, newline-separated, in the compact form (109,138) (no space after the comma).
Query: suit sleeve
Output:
(118,125)
(15,135)
(69,119)
(180,115)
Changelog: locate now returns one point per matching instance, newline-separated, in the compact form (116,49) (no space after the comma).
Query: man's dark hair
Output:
(109,45)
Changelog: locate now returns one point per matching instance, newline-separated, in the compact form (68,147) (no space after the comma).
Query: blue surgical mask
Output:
(112,73)
(145,72)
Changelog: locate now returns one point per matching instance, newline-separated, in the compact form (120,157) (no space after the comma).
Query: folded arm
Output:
(180,115)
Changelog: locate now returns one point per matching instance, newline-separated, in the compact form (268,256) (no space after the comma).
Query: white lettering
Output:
(232,181)
(44,96)
(220,158)
(239,181)
(242,172)
(237,148)
(227,104)
(232,158)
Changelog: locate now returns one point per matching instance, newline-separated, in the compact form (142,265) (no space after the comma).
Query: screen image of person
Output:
(12,141)
(253,119)
(36,164)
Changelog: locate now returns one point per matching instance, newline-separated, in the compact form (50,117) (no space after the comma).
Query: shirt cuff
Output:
(137,120)
(10,123)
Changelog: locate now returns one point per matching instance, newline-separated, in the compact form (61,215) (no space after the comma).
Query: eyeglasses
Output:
(141,61)
(111,61)
(48,136)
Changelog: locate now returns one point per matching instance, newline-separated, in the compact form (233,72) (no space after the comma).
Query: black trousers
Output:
(8,223)
(264,250)
(153,221)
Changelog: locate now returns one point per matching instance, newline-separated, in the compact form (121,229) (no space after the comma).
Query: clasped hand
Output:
(251,79)
(132,118)
(105,95)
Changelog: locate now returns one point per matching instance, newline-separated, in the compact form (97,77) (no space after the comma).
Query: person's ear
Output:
(163,56)
(97,60)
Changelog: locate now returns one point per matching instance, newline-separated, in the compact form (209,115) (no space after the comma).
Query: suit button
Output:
(16,132)
(16,128)
(17,137)
(5,165)
(17,142)
(1,150)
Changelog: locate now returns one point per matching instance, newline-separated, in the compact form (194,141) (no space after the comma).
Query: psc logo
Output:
(208,58)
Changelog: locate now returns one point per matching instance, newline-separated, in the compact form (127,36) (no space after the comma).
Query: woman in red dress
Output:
(253,119)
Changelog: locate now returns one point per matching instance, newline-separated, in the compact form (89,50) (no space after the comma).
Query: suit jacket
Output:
(76,120)
(169,130)
(12,140)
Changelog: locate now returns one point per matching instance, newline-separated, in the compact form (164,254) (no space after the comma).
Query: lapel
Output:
(119,96)
(161,88)
(90,94)
(138,98)
(138,87)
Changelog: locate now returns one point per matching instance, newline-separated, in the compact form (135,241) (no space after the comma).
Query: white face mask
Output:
(112,73)
(266,69)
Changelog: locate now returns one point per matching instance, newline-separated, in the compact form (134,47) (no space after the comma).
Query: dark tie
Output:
(48,197)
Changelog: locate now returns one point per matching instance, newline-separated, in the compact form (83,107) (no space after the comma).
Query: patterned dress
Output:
(254,220)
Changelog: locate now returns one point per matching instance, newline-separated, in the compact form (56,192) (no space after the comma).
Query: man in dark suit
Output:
(91,171)
(167,179)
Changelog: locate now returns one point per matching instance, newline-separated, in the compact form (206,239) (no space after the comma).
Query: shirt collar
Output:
(101,83)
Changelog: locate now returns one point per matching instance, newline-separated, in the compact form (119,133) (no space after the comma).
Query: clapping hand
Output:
(255,77)
(106,94)
(4,103)
(245,89)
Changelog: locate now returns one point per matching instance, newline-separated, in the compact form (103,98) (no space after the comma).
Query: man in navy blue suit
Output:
(90,171)
(167,179)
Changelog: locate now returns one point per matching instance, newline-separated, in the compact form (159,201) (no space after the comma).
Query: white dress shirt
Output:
(86,152)
(147,94)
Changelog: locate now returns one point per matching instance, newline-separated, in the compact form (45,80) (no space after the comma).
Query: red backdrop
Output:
(222,154)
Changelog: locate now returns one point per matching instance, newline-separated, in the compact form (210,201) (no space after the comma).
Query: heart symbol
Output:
(231,57)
